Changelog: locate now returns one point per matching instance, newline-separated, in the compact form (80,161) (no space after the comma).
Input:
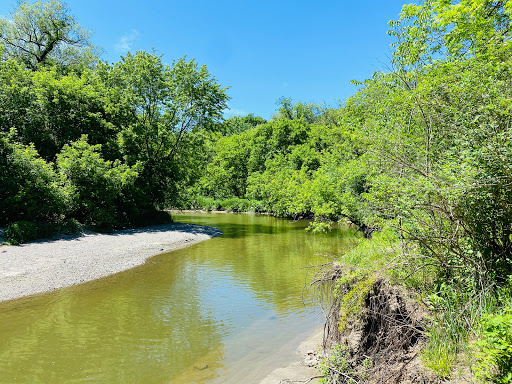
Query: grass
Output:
(465,318)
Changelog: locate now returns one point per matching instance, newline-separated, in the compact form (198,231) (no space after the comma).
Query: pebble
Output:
(310,361)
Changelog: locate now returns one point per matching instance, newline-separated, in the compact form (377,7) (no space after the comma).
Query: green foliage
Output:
(167,103)
(233,204)
(117,141)
(226,174)
(317,226)
(105,194)
(16,95)
(336,367)
(45,33)
(440,354)
(375,253)
(309,113)
(49,109)
(438,29)
(457,311)
(283,189)
(494,354)
(150,217)
(238,124)
(294,167)
(237,205)
(203,203)
(24,231)
(30,188)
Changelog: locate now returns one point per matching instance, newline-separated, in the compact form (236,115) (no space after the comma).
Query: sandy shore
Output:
(300,371)
(45,265)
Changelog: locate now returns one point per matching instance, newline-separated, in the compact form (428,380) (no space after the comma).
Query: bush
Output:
(70,227)
(336,368)
(30,190)
(236,205)
(205,203)
(104,191)
(24,231)
(495,347)
(151,217)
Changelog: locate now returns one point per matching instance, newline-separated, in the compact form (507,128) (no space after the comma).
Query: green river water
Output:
(227,310)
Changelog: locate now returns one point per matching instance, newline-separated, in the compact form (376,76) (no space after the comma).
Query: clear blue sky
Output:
(262,50)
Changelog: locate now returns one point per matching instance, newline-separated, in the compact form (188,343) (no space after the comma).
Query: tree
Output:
(49,109)
(439,29)
(310,113)
(239,124)
(46,32)
(439,126)
(226,174)
(167,103)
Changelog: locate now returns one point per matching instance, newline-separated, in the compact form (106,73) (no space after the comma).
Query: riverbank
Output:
(46,265)
(304,368)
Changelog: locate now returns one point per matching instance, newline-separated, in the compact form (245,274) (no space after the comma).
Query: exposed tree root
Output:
(381,342)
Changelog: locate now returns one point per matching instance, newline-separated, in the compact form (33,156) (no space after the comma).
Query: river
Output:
(227,310)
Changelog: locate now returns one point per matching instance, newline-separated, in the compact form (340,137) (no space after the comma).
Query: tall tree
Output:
(45,32)
(167,103)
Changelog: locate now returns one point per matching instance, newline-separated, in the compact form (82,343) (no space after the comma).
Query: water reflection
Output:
(194,315)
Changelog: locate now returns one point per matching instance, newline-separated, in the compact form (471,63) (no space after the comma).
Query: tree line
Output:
(102,144)
(421,153)
(419,157)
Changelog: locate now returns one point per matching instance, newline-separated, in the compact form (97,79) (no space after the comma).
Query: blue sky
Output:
(262,50)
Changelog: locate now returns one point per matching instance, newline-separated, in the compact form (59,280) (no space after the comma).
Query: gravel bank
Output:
(45,265)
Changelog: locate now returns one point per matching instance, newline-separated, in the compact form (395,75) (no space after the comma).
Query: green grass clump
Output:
(440,354)
(336,366)
(353,289)
(375,253)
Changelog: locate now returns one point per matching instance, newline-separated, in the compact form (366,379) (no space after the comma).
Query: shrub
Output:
(206,203)
(236,204)
(30,189)
(24,231)
(105,192)
(70,227)
(495,347)
(151,217)
(336,368)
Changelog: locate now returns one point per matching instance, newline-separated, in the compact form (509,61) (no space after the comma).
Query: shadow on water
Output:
(211,224)
(241,225)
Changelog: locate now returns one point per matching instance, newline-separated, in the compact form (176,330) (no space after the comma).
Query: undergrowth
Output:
(469,323)
(336,368)
(233,204)
(24,231)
